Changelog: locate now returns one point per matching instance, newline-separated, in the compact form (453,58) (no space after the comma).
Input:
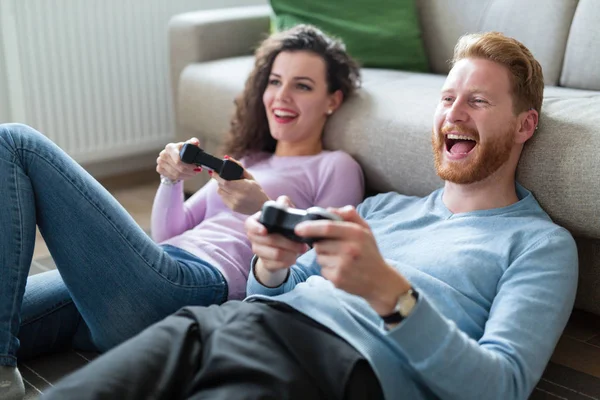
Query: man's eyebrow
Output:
(474,90)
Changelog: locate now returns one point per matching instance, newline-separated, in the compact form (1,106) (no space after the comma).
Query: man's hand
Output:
(276,254)
(350,259)
(245,195)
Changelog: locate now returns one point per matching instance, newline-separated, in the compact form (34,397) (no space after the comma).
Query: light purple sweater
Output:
(207,228)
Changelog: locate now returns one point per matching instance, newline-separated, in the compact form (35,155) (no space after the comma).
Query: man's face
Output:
(474,124)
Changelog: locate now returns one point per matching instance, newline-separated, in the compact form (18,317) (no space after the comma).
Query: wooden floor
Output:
(573,373)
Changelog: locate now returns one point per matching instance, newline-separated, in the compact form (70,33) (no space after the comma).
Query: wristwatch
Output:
(405,304)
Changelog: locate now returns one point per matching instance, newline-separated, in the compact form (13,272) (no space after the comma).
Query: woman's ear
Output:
(335,101)
(528,125)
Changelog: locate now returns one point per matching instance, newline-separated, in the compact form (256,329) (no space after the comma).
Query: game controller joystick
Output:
(278,218)
(227,169)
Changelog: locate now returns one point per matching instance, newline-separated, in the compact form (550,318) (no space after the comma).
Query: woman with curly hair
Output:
(112,280)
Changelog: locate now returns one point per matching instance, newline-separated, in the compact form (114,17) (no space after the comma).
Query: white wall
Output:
(92,75)
(4,98)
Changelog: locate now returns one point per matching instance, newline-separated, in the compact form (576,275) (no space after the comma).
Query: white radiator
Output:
(93,74)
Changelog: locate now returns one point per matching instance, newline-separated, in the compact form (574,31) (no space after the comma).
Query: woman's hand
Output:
(169,163)
(245,195)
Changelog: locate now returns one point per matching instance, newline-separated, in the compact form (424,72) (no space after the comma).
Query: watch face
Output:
(404,306)
(406,303)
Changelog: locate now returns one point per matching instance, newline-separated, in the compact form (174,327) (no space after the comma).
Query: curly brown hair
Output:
(249,132)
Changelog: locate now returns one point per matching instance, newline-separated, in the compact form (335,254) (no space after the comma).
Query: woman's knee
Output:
(17,129)
(16,134)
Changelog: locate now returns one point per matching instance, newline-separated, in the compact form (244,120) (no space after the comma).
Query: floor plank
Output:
(578,355)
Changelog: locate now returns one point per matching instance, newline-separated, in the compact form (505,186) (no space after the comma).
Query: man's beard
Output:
(489,157)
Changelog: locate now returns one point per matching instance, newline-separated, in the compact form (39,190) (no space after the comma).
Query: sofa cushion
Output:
(582,67)
(206,93)
(378,33)
(560,164)
(542,25)
(386,126)
(588,295)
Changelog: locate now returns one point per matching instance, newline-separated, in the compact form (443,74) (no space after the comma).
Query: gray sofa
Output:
(387,125)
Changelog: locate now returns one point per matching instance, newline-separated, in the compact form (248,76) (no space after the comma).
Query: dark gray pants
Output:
(234,351)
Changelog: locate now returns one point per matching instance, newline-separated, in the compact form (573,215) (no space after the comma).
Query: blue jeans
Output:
(112,280)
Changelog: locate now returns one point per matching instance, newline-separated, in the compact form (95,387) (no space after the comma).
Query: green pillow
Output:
(377,33)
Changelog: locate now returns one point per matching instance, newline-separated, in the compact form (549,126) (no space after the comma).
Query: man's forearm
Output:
(268,278)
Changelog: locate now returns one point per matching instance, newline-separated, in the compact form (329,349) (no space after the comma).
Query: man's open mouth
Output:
(459,144)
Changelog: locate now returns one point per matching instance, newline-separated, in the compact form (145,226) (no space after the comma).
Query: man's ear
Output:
(528,123)
(335,101)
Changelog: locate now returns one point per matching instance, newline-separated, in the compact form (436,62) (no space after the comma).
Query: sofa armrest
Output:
(213,34)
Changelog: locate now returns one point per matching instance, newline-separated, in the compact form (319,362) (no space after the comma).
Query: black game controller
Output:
(227,169)
(278,218)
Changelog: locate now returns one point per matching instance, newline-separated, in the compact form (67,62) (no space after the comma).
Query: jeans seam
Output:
(21,241)
(9,358)
(222,282)
(47,312)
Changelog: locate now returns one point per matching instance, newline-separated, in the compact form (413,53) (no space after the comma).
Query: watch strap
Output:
(410,297)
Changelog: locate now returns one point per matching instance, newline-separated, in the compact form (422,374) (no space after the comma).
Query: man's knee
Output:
(165,331)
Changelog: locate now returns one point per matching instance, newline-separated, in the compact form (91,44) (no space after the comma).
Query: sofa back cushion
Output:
(386,126)
(560,163)
(541,25)
(378,33)
(581,68)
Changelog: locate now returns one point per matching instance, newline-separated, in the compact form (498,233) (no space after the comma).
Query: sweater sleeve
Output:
(306,266)
(533,303)
(341,182)
(171,216)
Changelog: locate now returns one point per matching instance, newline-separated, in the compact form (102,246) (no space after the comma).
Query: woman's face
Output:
(296,99)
